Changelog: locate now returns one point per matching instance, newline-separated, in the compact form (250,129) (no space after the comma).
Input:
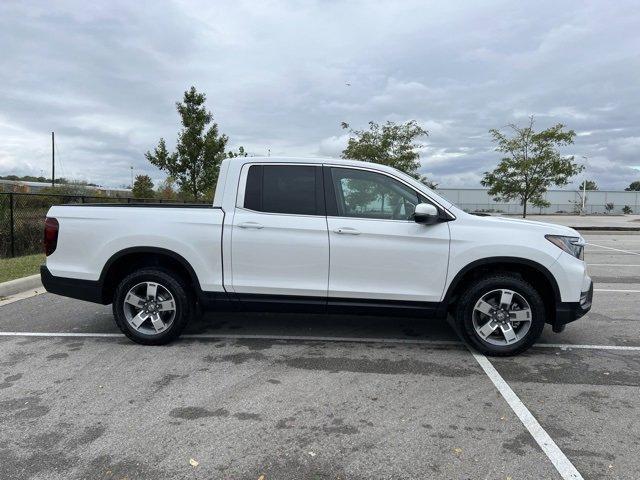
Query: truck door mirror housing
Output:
(426,214)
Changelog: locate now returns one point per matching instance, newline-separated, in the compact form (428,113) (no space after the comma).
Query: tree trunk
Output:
(524,208)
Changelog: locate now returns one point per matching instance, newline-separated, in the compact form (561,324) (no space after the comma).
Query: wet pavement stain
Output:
(521,445)
(379,366)
(285,423)
(24,407)
(15,358)
(339,427)
(10,380)
(247,416)
(57,356)
(166,380)
(194,413)
(237,358)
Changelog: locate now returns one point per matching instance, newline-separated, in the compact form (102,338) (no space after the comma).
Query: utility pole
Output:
(53,159)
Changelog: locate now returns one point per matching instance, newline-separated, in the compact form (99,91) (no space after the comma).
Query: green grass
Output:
(12,268)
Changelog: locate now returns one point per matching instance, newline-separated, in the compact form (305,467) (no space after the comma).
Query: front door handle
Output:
(251,225)
(347,231)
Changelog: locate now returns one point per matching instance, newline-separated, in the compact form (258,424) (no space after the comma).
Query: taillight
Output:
(51,228)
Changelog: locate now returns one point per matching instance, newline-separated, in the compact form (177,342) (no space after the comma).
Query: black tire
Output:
(464,312)
(184,305)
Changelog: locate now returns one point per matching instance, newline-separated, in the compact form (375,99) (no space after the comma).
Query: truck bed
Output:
(91,234)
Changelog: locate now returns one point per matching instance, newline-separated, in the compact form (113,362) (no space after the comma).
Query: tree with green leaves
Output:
(240,153)
(589,185)
(199,150)
(389,144)
(633,186)
(532,163)
(143,187)
(165,190)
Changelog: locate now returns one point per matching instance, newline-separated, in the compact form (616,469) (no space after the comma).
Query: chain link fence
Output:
(22,217)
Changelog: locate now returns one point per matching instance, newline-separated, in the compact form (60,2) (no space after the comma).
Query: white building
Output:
(562,201)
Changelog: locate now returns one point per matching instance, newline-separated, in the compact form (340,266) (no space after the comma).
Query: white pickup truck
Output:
(336,236)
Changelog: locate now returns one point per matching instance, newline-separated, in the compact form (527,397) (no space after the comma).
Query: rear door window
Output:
(287,189)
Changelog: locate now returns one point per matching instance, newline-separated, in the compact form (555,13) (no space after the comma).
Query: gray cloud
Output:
(105,77)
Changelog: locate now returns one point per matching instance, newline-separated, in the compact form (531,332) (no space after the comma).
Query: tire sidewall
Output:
(169,281)
(464,317)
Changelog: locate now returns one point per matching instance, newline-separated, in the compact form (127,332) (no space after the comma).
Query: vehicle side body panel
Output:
(89,236)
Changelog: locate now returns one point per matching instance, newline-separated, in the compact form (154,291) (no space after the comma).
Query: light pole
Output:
(132,177)
(584,187)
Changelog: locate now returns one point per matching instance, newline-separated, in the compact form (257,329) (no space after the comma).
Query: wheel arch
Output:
(541,278)
(128,260)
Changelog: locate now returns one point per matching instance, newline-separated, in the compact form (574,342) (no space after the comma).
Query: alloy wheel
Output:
(149,308)
(502,317)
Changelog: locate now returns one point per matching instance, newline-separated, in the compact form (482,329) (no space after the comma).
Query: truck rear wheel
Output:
(500,315)
(152,306)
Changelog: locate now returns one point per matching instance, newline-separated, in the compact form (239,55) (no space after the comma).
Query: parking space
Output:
(305,396)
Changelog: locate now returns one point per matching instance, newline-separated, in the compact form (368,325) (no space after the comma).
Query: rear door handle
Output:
(347,231)
(251,225)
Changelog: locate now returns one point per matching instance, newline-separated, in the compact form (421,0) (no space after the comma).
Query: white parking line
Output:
(613,290)
(564,467)
(289,338)
(569,346)
(60,334)
(609,265)
(616,249)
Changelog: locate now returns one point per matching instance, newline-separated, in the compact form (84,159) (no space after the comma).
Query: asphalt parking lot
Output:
(256,396)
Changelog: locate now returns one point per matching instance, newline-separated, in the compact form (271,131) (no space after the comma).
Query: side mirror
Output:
(426,214)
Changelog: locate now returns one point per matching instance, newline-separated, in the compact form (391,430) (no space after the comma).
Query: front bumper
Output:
(567,312)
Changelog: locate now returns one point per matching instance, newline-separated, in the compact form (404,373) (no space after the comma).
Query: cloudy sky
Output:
(283,75)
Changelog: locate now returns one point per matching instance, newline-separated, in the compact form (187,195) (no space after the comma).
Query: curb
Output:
(19,285)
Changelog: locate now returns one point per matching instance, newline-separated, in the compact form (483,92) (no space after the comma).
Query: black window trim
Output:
(320,190)
(331,202)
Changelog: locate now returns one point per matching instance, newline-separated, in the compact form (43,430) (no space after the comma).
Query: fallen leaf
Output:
(261,477)
(457,450)
(193,463)
(312,454)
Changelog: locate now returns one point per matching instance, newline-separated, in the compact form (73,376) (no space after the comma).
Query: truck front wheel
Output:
(152,306)
(500,315)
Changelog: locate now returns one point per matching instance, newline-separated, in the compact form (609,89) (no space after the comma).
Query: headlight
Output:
(572,245)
